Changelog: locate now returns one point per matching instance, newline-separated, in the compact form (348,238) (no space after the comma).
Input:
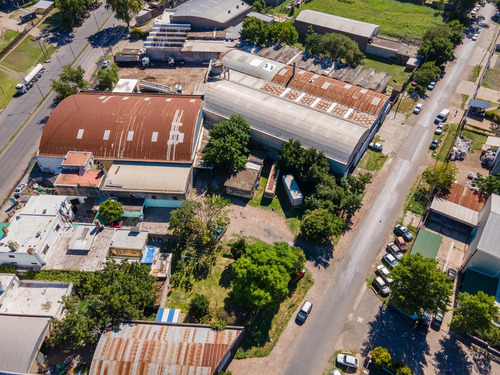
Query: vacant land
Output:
(391,67)
(396,19)
(8,82)
(26,54)
(475,73)
(492,79)
(372,161)
(8,35)
(448,136)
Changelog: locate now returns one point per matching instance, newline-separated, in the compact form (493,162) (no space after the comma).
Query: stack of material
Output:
(461,148)
(488,158)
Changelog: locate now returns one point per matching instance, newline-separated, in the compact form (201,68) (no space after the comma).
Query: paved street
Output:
(316,342)
(16,157)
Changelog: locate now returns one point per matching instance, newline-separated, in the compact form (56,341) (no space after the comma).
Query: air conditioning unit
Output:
(31,251)
(13,245)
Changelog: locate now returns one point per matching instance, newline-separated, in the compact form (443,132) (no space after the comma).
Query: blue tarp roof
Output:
(168,315)
(149,254)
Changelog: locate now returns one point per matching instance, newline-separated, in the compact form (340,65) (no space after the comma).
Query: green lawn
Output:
(25,55)
(447,135)
(8,84)
(372,160)
(391,67)
(465,99)
(492,79)
(406,105)
(396,18)
(7,37)
(479,140)
(418,198)
(475,73)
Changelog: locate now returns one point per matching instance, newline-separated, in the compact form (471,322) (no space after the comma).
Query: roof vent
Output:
(229,11)
(237,6)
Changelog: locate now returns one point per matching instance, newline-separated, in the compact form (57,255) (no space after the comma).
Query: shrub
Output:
(381,357)
(142,34)
(218,325)
(198,308)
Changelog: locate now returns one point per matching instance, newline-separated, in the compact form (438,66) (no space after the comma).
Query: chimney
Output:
(293,75)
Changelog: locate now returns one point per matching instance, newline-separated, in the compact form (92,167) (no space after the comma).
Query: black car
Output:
(452,273)
(434,144)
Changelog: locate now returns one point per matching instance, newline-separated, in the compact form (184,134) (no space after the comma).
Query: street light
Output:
(74,57)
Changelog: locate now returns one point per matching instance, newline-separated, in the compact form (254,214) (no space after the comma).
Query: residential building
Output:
(172,347)
(33,232)
(242,183)
(324,23)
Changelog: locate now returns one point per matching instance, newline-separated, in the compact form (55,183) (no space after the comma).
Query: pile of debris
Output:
(488,158)
(461,148)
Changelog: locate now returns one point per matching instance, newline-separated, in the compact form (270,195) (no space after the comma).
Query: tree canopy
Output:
(438,43)
(441,175)
(341,47)
(107,78)
(261,274)
(488,184)
(199,308)
(424,75)
(124,9)
(228,144)
(319,225)
(70,82)
(381,357)
(69,11)
(110,210)
(419,286)
(261,34)
(474,313)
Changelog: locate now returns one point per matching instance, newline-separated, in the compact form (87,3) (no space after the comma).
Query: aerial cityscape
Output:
(250,187)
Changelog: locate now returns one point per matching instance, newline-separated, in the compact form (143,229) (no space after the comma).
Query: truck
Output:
(129,55)
(28,81)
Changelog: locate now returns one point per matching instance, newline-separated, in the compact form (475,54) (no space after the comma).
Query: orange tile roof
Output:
(76,158)
(91,178)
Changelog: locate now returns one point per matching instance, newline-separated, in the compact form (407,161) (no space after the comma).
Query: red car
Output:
(401,244)
(116,224)
(301,275)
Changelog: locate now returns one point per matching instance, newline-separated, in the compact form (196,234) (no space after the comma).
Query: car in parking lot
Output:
(438,319)
(393,249)
(106,64)
(390,261)
(417,108)
(434,144)
(424,322)
(431,86)
(347,360)
(401,244)
(401,230)
(20,188)
(439,129)
(452,273)
(384,273)
(304,312)
(381,287)
(475,36)
(375,146)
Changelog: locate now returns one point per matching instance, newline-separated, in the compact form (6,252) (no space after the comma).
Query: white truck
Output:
(28,81)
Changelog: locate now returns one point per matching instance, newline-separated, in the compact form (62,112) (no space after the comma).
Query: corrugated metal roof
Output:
(123,127)
(251,64)
(465,197)
(490,236)
(356,97)
(161,348)
(455,211)
(22,336)
(220,11)
(345,25)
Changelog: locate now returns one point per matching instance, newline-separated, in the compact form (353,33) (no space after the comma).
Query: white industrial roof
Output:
(126,85)
(216,10)
(22,337)
(44,205)
(125,239)
(43,4)
(147,178)
(283,119)
(28,232)
(455,211)
(341,24)
(490,236)
(250,64)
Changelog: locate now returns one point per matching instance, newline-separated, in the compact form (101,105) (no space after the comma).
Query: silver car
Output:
(393,249)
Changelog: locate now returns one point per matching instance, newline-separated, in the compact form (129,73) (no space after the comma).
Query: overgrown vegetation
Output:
(259,33)
(439,42)
(440,176)
(333,45)
(70,82)
(108,77)
(489,184)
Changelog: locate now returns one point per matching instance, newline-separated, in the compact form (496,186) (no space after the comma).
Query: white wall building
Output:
(33,232)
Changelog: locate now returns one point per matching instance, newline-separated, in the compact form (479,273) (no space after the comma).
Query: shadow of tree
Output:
(451,357)
(104,38)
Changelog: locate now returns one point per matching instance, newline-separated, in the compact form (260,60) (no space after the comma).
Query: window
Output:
(45,249)
(12,256)
(34,263)
(58,227)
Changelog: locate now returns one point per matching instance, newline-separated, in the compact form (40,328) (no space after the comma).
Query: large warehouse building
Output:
(324,23)
(283,103)
(145,143)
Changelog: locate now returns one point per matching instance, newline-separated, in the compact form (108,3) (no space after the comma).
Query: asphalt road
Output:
(16,156)
(316,343)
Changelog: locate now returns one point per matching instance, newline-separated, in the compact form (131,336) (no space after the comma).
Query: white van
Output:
(304,312)
(442,117)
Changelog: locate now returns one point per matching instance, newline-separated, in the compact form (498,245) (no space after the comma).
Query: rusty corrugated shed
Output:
(465,197)
(124,127)
(161,348)
(339,92)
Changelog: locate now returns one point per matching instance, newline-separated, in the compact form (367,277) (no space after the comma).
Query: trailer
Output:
(130,55)
(28,81)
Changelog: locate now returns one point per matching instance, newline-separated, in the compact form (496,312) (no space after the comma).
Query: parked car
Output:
(431,86)
(381,287)
(438,319)
(335,372)
(424,322)
(474,37)
(393,249)
(434,144)
(384,273)
(20,188)
(116,224)
(401,244)
(390,261)
(404,232)
(106,64)
(452,273)
(375,146)
(417,108)
(300,276)
(304,312)
(348,360)
(439,129)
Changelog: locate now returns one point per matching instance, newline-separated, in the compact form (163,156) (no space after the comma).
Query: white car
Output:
(20,188)
(348,360)
(384,273)
(393,249)
(335,372)
(106,64)
(475,36)
(418,108)
(439,129)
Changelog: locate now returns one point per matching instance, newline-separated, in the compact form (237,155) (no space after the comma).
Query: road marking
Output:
(360,319)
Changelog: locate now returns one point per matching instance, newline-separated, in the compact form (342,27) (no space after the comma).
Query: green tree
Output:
(75,329)
(7,268)
(419,286)
(351,202)
(488,184)
(110,210)
(70,82)
(259,6)
(228,144)
(199,308)
(381,357)
(437,44)
(255,31)
(238,248)
(261,275)
(441,175)
(69,11)
(283,33)
(474,313)
(403,370)
(312,42)
(341,47)
(107,78)
(424,75)
(290,155)
(457,32)
(124,9)
(317,225)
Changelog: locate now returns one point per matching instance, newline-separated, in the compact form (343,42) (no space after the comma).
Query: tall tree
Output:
(110,210)
(255,31)
(261,275)
(474,313)
(319,225)
(69,10)
(441,175)
(199,308)
(283,33)
(437,44)
(75,329)
(312,41)
(107,78)
(124,9)
(488,184)
(70,82)
(419,286)
(341,47)
(457,32)
(425,74)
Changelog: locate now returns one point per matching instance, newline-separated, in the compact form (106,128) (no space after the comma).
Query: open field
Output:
(8,82)
(492,79)
(391,67)
(8,35)
(447,135)
(396,19)
(25,55)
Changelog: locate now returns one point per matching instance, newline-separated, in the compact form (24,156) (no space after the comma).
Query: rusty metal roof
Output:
(465,197)
(124,127)
(162,348)
(368,101)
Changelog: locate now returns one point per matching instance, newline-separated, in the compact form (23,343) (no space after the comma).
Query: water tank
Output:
(216,69)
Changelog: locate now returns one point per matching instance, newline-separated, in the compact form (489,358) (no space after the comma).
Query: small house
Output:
(243,182)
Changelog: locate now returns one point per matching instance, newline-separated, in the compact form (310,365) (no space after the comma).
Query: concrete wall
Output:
(381,51)
(49,164)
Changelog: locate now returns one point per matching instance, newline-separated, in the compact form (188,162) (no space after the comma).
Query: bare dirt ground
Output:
(470,164)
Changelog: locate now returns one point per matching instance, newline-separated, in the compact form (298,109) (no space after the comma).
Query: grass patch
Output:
(8,35)
(465,98)
(396,18)
(418,198)
(479,139)
(450,131)
(492,79)
(406,105)
(52,23)
(8,82)
(26,54)
(475,73)
(392,67)
(372,160)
